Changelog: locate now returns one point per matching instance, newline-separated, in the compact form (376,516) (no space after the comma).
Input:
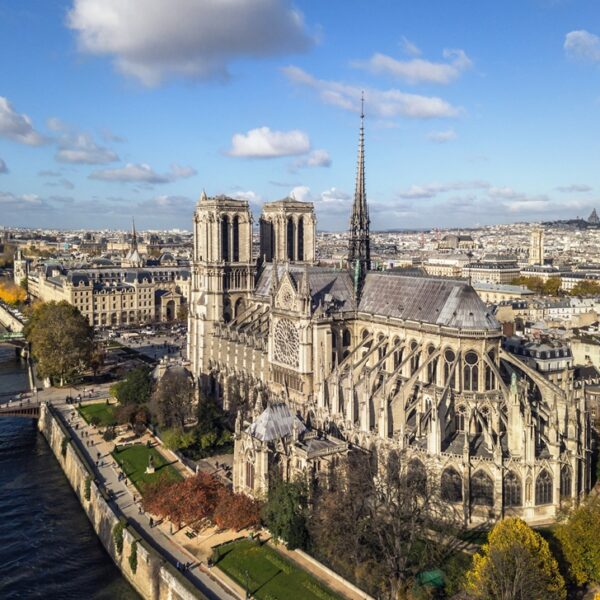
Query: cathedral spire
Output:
(359,250)
(133,235)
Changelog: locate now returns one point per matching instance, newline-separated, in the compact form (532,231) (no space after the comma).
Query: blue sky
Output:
(477,111)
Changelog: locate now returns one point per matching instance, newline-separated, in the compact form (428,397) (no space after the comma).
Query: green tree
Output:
(135,388)
(61,340)
(586,287)
(580,543)
(285,513)
(552,286)
(515,563)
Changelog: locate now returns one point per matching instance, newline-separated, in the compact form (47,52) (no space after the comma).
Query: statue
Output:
(150,468)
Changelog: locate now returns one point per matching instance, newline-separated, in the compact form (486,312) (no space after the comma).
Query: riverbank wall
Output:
(151,576)
(9,321)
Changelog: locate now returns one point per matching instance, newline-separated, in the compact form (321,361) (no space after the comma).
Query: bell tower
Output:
(222,270)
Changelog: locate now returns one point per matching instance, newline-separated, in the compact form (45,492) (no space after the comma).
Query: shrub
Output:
(87,488)
(63,446)
(109,434)
(133,558)
(118,537)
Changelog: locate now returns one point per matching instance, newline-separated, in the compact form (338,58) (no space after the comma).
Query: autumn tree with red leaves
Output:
(236,511)
(199,497)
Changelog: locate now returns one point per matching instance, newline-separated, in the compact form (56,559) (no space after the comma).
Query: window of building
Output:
(511,490)
(459,418)
(482,489)
(565,481)
(471,372)
(543,488)
(451,485)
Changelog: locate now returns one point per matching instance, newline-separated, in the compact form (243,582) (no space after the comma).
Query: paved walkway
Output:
(107,471)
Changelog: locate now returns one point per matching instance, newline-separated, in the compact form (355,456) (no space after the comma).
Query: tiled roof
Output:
(439,301)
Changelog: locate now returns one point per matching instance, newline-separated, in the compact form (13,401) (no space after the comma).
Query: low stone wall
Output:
(154,578)
(9,321)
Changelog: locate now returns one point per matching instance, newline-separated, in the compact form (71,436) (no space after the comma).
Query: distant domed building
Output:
(593,218)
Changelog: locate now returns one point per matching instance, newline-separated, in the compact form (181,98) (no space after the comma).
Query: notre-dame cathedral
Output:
(316,360)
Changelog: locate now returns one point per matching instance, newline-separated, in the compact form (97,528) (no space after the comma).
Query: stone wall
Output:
(153,579)
(10,321)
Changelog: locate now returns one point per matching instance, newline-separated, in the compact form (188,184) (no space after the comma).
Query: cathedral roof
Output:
(439,301)
(274,423)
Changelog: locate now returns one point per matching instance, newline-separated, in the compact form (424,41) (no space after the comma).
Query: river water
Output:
(48,548)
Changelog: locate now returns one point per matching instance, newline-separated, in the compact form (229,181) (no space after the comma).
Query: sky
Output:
(476,111)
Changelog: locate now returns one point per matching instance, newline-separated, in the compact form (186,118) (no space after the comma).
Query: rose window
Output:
(286,343)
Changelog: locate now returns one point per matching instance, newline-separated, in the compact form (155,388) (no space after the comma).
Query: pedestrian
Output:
(151,522)
(178,566)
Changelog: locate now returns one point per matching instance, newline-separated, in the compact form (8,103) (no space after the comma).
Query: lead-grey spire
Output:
(359,250)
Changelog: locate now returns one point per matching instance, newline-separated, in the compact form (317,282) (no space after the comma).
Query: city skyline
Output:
(475,115)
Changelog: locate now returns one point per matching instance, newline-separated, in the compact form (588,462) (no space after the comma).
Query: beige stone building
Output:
(316,360)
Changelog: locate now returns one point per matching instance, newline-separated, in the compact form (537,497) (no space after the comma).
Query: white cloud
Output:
(576,187)
(10,200)
(153,40)
(301,193)
(441,137)
(167,205)
(383,103)
(77,147)
(583,45)
(264,143)
(18,127)
(3,167)
(64,183)
(431,190)
(142,173)
(418,70)
(317,158)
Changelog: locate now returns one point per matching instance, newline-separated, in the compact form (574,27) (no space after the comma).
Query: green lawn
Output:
(104,412)
(270,575)
(134,460)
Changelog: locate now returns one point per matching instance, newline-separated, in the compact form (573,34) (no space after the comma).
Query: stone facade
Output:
(314,362)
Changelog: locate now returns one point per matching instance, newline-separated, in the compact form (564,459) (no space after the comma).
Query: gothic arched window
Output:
(290,239)
(543,488)
(414,361)
(416,477)
(397,354)
(471,372)
(300,238)
(482,489)
(249,474)
(451,485)
(449,358)
(235,225)
(225,238)
(565,481)
(346,338)
(511,490)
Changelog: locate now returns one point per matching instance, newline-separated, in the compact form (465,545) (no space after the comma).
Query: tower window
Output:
(300,238)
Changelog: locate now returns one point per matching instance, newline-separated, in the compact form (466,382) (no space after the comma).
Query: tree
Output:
(61,340)
(387,520)
(587,287)
(186,501)
(552,286)
(12,294)
(173,400)
(285,513)
(135,388)
(236,511)
(515,563)
(580,543)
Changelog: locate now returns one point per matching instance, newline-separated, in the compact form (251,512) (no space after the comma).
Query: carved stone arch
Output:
(482,488)
(451,485)
(512,489)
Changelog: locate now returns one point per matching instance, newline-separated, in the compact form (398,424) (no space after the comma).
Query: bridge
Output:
(27,407)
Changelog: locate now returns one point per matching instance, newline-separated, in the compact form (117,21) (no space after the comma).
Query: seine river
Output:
(48,547)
